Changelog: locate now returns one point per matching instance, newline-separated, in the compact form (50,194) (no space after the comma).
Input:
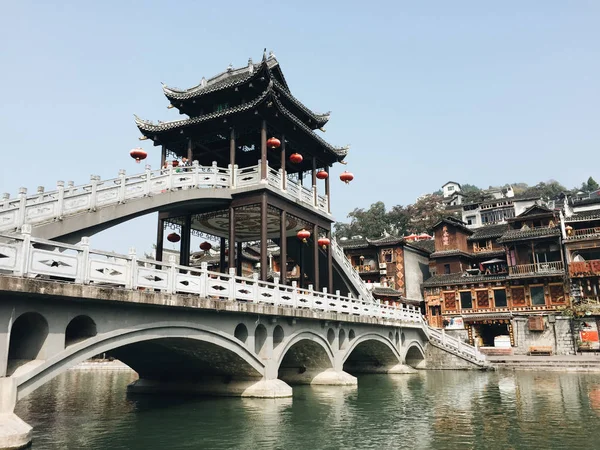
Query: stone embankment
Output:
(566,363)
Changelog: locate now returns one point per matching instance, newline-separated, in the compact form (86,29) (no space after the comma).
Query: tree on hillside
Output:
(471,192)
(590,185)
(369,223)
(425,212)
(550,189)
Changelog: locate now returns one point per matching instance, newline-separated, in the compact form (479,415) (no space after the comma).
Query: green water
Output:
(429,410)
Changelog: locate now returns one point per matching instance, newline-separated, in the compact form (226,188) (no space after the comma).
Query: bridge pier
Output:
(216,386)
(14,432)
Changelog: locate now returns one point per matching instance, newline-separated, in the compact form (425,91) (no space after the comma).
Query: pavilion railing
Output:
(37,258)
(70,199)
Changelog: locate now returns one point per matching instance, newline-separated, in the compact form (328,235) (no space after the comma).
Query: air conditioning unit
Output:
(382,272)
(382,265)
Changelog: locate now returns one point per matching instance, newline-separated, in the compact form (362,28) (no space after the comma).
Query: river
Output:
(428,410)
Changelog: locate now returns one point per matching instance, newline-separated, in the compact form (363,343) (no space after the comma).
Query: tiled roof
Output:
(386,292)
(593,214)
(532,211)
(455,223)
(530,233)
(147,127)
(387,240)
(488,232)
(427,245)
(489,254)
(349,244)
(452,252)
(461,278)
(366,242)
(586,201)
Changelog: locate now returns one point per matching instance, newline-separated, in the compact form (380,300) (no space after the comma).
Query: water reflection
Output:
(428,410)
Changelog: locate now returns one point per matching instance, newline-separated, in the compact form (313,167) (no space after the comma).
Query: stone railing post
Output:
(295,293)
(148,170)
(204,280)
(133,269)
(281,183)
(60,200)
(231,175)
(232,284)
(5,200)
(443,337)
(196,173)
(40,193)
(23,266)
(22,206)
(121,197)
(172,278)
(83,258)
(70,187)
(311,295)
(458,344)
(215,172)
(255,287)
(234,173)
(93,191)
(170,171)
(315,197)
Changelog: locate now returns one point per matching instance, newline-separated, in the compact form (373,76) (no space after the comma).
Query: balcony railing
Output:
(554,267)
(366,268)
(580,269)
(487,248)
(583,233)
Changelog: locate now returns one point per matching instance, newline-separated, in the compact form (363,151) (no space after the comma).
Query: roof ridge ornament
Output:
(250,65)
(271,55)
(264,54)
(203,82)
(230,67)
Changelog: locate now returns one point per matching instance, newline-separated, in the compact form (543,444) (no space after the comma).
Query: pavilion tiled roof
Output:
(455,223)
(151,128)
(386,292)
(529,233)
(361,242)
(237,77)
(460,278)
(488,232)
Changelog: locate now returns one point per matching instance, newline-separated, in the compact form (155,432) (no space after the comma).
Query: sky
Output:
(484,93)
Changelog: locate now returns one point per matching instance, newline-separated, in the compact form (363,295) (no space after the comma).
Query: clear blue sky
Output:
(477,92)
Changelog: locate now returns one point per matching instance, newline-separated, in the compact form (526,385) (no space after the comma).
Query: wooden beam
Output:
(231,237)
(222,256)
(315,237)
(263,150)
(232,147)
(283,246)
(283,171)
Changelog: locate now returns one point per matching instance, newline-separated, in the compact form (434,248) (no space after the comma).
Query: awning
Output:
(493,261)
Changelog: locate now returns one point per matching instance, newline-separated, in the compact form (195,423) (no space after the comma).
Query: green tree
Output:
(369,223)
(590,185)
(550,189)
(425,213)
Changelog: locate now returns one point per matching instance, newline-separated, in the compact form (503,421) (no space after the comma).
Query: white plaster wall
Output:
(416,270)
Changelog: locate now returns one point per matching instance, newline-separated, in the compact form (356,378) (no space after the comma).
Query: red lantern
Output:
(296,158)
(346,177)
(303,235)
(138,154)
(322,175)
(173,237)
(273,143)
(206,246)
(324,242)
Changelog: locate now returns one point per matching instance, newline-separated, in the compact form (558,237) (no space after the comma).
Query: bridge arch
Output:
(79,329)
(28,335)
(370,353)
(415,354)
(303,357)
(193,344)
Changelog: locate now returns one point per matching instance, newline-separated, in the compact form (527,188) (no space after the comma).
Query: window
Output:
(446,268)
(466,301)
(500,298)
(450,188)
(470,220)
(537,295)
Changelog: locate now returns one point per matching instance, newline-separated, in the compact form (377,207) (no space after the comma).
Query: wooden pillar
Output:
(329,265)
(160,235)
(283,161)
(222,256)
(315,236)
(314,171)
(232,147)
(283,247)
(263,150)
(190,154)
(231,243)
(163,156)
(264,267)
(301,178)
(238,259)
(327,190)
(184,249)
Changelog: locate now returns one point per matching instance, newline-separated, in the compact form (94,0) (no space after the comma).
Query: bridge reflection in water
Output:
(428,410)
